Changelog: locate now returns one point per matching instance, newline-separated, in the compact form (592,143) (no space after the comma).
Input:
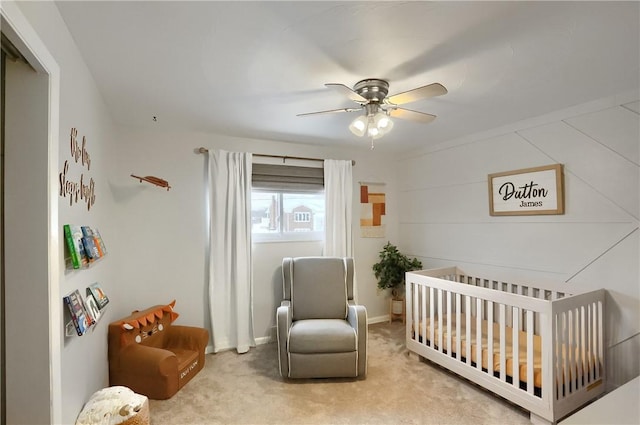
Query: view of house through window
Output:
(284,215)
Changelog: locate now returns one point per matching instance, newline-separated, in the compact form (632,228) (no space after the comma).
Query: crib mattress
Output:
(509,361)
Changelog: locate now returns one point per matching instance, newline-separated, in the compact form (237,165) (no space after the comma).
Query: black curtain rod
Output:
(284,157)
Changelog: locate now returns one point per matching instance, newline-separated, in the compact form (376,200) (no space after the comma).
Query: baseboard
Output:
(377,319)
(264,340)
(259,341)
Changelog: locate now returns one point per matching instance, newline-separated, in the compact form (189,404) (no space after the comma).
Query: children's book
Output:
(73,238)
(72,259)
(98,295)
(91,307)
(77,311)
(98,237)
(89,244)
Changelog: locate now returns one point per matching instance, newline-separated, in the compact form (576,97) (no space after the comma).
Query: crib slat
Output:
(530,365)
(584,353)
(440,320)
(507,288)
(503,343)
(560,377)
(467,330)
(556,356)
(458,324)
(414,305)
(590,345)
(580,346)
(432,309)
(412,292)
(571,350)
(600,340)
(490,337)
(564,357)
(422,319)
(515,348)
(595,344)
(575,348)
(449,350)
(479,316)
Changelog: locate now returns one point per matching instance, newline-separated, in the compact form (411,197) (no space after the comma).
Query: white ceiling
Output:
(247,68)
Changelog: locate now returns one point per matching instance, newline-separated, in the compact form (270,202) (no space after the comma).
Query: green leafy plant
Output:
(392,266)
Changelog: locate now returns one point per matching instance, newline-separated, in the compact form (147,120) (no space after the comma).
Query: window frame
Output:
(281,235)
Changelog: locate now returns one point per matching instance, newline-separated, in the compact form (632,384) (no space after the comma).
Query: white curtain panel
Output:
(230,275)
(338,192)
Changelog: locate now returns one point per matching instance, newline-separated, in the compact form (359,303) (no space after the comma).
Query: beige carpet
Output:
(399,389)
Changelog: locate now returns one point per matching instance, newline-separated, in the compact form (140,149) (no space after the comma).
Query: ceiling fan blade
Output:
(431,90)
(330,111)
(346,91)
(408,114)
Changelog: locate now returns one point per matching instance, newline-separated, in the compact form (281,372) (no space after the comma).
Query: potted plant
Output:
(391,268)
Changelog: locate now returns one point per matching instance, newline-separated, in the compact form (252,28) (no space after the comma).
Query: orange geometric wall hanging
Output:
(372,210)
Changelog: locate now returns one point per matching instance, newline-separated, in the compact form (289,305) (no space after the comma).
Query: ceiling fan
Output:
(371,95)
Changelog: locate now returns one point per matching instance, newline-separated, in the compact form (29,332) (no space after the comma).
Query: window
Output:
(302,217)
(280,215)
(287,203)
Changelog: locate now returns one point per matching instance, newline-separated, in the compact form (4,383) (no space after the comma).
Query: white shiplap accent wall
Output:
(444,211)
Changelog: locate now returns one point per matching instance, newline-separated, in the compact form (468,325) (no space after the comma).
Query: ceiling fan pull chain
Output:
(372,147)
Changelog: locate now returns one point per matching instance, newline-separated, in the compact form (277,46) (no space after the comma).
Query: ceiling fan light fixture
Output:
(383,122)
(359,126)
(374,132)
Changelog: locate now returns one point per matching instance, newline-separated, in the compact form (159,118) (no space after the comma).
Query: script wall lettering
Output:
(530,191)
(82,188)
(80,152)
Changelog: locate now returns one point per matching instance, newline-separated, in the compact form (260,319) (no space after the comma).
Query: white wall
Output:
(166,229)
(445,214)
(83,359)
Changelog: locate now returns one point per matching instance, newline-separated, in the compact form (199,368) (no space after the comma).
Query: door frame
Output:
(16,27)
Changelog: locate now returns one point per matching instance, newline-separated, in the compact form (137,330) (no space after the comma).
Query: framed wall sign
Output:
(530,191)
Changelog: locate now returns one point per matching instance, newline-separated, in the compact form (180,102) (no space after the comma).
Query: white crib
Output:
(476,327)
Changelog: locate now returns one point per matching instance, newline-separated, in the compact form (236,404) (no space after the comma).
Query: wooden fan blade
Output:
(346,91)
(408,114)
(331,111)
(435,89)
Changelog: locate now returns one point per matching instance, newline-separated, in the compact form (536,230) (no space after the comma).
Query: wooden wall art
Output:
(530,191)
(81,188)
(153,180)
(372,210)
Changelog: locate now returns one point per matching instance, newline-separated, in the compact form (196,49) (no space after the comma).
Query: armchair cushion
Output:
(318,278)
(322,336)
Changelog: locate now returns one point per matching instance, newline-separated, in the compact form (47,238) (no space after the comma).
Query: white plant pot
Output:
(396,306)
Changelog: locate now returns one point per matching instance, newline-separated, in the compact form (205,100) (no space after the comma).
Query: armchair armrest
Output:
(188,337)
(283,323)
(357,318)
(145,360)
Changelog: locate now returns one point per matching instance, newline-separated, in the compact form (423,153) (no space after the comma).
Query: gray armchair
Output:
(321,332)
